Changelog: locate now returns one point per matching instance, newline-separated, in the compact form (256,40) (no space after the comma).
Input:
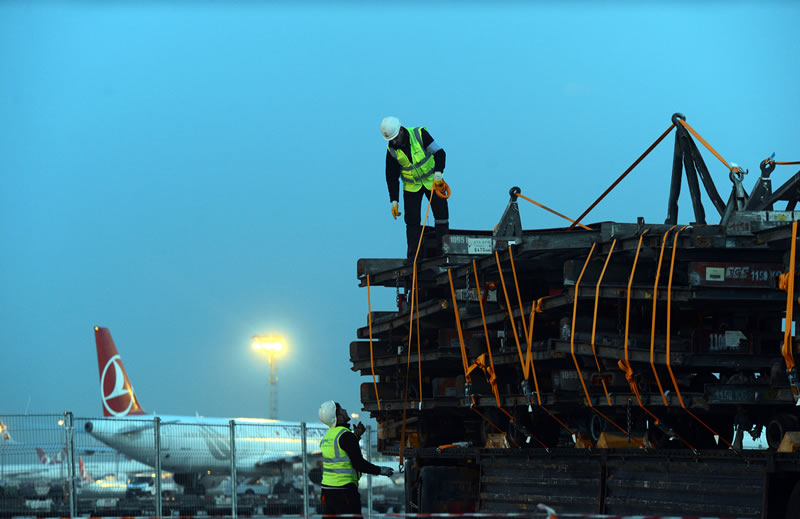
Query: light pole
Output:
(272,346)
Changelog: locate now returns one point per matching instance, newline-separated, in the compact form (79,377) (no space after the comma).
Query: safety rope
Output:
(594,318)
(534,202)
(414,302)
(707,145)
(786,350)
(442,190)
(371,359)
(653,325)
(572,350)
(630,168)
(669,334)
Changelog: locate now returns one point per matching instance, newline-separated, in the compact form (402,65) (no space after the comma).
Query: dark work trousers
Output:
(412,204)
(345,500)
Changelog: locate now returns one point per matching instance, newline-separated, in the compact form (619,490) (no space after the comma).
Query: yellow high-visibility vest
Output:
(337,471)
(417,171)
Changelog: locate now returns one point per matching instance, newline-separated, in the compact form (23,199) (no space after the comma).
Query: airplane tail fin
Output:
(85,477)
(60,456)
(4,434)
(116,390)
(43,457)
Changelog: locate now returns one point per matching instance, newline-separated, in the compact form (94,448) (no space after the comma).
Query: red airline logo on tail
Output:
(116,391)
(84,473)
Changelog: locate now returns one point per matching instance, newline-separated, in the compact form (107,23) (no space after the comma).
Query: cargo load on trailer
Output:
(658,350)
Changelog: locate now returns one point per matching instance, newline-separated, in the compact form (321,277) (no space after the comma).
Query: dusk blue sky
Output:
(190,174)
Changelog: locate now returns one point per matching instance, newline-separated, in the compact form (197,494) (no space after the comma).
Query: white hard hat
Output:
(327,413)
(390,127)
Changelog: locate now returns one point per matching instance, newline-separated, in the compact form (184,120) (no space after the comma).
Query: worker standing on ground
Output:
(342,463)
(414,158)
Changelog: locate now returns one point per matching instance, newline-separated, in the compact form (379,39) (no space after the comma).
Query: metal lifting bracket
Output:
(510,227)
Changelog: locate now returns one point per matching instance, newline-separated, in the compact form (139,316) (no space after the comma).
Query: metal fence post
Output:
(157,438)
(68,431)
(369,477)
(304,446)
(234,476)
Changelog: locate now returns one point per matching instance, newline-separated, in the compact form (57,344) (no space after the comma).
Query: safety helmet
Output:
(390,127)
(327,413)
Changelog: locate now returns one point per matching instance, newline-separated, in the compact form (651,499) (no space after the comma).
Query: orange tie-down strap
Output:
(786,282)
(669,335)
(572,349)
(770,161)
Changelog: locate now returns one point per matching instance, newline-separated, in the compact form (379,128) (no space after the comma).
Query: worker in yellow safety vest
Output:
(342,462)
(413,157)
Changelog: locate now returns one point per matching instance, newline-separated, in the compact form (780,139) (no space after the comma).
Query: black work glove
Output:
(358,429)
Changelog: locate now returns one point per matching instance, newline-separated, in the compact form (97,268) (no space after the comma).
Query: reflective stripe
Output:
(336,452)
(339,471)
(419,163)
(442,221)
(337,460)
(433,148)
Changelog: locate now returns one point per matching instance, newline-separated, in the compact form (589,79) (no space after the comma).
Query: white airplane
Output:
(117,468)
(195,449)
(5,436)
(105,487)
(18,473)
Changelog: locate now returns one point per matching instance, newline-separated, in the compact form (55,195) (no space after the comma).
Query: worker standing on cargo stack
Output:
(414,158)
(342,463)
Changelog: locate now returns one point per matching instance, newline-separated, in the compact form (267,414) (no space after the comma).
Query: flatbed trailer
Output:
(751,484)
(670,338)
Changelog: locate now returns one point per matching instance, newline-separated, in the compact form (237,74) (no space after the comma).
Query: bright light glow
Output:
(354,415)
(271,344)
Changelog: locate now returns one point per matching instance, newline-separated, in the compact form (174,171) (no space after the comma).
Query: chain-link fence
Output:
(60,465)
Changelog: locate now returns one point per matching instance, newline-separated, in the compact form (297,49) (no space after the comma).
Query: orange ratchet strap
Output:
(625,365)
(669,334)
(572,349)
(464,360)
(528,361)
(786,350)
(528,366)
(653,326)
(594,318)
(489,370)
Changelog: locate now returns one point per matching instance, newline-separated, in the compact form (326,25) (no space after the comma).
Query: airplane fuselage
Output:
(195,444)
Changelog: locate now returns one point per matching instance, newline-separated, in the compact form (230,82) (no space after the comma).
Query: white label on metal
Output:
(479,245)
(715,274)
